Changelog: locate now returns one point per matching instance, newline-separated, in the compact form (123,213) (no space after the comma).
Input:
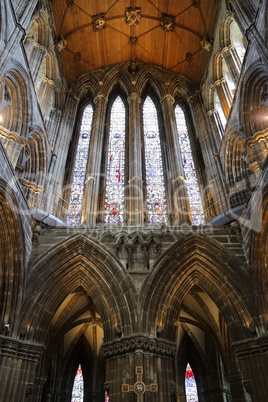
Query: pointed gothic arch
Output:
(201,265)
(85,263)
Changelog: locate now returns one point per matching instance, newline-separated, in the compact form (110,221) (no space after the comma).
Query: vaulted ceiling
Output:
(172,34)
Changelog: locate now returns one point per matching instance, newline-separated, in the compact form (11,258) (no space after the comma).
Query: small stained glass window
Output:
(190,385)
(78,387)
(156,196)
(106,397)
(196,208)
(114,199)
(78,182)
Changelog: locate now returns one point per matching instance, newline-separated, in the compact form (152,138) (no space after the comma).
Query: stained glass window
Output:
(156,197)
(106,396)
(78,387)
(114,199)
(190,385)
(77,187)
(196,208)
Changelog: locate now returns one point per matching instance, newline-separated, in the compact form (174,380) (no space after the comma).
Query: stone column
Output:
(238,391)
(134,188)
(90,205)
(177,197)
(224,95)
(18,362)
(44,93)
(139,368)
(59,159)
(252,356)
(216,124)
(233,62)
(53,125)
(36,60)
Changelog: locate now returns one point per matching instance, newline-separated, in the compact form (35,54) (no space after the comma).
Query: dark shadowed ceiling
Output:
(168,33)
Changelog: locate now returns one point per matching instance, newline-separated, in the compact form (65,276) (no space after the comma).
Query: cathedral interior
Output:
(134,200)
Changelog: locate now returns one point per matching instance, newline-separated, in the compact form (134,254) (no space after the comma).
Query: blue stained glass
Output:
(156,197)
(78,387)
(114,198)
(77,187)
(190,385)
(196,208)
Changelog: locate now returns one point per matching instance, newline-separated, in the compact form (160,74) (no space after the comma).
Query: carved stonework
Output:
(264,96)
(133,15)
(131,344)
(168,22)
(98,22)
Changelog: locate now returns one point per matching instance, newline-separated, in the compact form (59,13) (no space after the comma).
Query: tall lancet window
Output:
(114,199)
(196,208)
(78,386)
(77,187)
(156,197)
(190,385)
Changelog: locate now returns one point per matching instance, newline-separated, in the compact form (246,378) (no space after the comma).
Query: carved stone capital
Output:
(139,342)
(134,97)
(168,98)
(100,97)
(251,347)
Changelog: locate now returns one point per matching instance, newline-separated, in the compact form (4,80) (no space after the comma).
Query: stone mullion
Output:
(224,95)
(89,213)
(44,93)
(134,200)
(36,59)
(232,61)
(178,206)
(58,163)
(53,125)
(253,361)
(216,124)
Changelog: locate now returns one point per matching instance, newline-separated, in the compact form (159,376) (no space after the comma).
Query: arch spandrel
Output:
(79,261)
(198,261)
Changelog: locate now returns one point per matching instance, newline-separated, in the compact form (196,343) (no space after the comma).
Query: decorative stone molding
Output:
(16,349)
(168,98)
(141,343)
(251,347)
(40,47)
(134,97)
(100,97)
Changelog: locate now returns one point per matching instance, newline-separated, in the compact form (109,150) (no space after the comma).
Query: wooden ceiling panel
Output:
(175,45)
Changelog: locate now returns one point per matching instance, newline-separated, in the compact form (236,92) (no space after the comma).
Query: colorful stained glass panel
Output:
(156,196)
(114,199)
(196,208)
(78,182)
(78,387)
(190,385)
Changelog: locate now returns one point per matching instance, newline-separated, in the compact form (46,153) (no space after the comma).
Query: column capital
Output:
(251,347)
(134,97)
(168,98)
(100,97)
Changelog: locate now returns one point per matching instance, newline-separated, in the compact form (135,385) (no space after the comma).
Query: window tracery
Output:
(77,187)
(156,197)
(114,198)
(196,208)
